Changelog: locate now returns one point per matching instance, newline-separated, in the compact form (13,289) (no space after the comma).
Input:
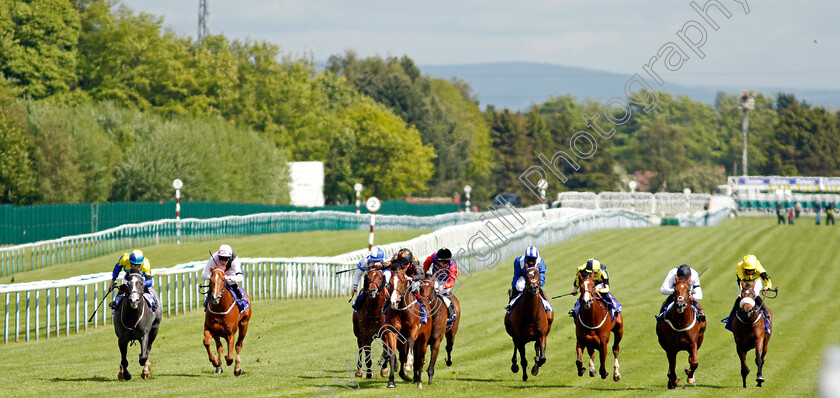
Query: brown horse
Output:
(593,325)
(680,330)
(527,322)
(748,329)
(404,316)
(368,321)
(221,320)
(439,314)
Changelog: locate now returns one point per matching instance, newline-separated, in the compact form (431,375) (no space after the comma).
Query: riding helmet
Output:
(444,254)
(136,257)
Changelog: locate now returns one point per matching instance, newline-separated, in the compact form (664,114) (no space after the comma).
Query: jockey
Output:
(443,269)
(750,270)
(531,259)
(128,261)
(225,258)
(404,259)
(602,284)
(374,260)
(683,271)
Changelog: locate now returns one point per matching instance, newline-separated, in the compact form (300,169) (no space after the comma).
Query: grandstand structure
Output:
(762,194)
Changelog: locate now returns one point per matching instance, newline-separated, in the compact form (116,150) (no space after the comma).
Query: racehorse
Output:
(593,325)
(439,314)
(134,320)
(368,320)
(221,320)
(404,316)
(527,322)
(680,330)
(749,333)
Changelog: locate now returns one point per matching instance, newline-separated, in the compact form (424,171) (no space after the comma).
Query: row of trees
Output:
(99,103)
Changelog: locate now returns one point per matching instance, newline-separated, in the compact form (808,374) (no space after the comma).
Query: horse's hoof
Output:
(238,372)
(524,376)
(229,361)
(581,371)
(420,385)
(592,373)
(535,370)
(616,377)
(409,367)
(120,376)
(219,370)
(384,372)
(514,368)
(690,380)
(369,375)
(604,375)
(127,375)
(759,381)
(358,373)
(391,384)
(448,361)
(145,375)
(404,376)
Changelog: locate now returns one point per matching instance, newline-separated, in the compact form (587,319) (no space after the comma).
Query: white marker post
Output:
(358,188)
(177,184)
(372,205)
(542,185)
(633,186)
(467,190)
(687,193)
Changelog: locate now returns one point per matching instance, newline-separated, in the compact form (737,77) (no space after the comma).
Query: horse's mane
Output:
(134,271)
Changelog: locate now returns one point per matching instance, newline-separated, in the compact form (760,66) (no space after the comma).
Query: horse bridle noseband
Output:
(142,304)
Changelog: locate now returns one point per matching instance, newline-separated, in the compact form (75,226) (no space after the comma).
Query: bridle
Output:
(398,296)
(378,286)
(587,297)
(748,287)
(217,281)
(681,302)
(533,276)
(133,297)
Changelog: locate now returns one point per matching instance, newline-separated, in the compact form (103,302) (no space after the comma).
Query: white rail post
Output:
(177,184)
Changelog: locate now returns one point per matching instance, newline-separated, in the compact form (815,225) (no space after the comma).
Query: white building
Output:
(307,183)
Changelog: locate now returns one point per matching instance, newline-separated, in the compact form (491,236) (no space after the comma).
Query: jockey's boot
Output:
(236,292)
(112,305)
(511,294)
(700,315)
(572,312)
(452,315)
(357,304)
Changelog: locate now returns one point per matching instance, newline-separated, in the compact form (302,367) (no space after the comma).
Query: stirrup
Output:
(112,305)
(572,313)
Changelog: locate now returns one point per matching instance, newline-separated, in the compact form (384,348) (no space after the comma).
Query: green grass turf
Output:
(292,244)
(295,347)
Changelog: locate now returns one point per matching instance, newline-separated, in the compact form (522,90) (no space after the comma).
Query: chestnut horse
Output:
(527,322)
(368,320)
(593,325)
(748,329)
(680,330)
(438,314)
(221,320)
(404,316)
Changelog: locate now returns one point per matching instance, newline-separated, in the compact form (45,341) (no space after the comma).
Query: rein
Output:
(688,305)
(402,298)
(233,304)
(142,312)
(606,314)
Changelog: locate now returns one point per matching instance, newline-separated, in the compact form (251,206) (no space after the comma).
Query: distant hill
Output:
(517,85)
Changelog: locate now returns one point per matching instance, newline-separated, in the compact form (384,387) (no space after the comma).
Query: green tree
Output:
(17,179)
(806,142)
(662,149)
(38,40)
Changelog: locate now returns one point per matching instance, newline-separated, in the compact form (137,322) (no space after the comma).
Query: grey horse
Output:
(134,320)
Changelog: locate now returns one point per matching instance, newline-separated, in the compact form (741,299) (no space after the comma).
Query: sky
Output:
(778,43)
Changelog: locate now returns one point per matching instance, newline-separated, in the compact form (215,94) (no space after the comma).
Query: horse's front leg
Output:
(391,342)
(230,349)
(243,329)
(591,351)
(514,367)
(618,333)
(602,351)
(124,374)
(207,338)
(759,360)
(672,372)
(745,370)
(692,363)
(219,351)
(523,360)
(579,361)
(144,357)
(539,359)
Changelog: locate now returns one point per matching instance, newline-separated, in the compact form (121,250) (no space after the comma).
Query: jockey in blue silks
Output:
(376,259)
(531,259)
